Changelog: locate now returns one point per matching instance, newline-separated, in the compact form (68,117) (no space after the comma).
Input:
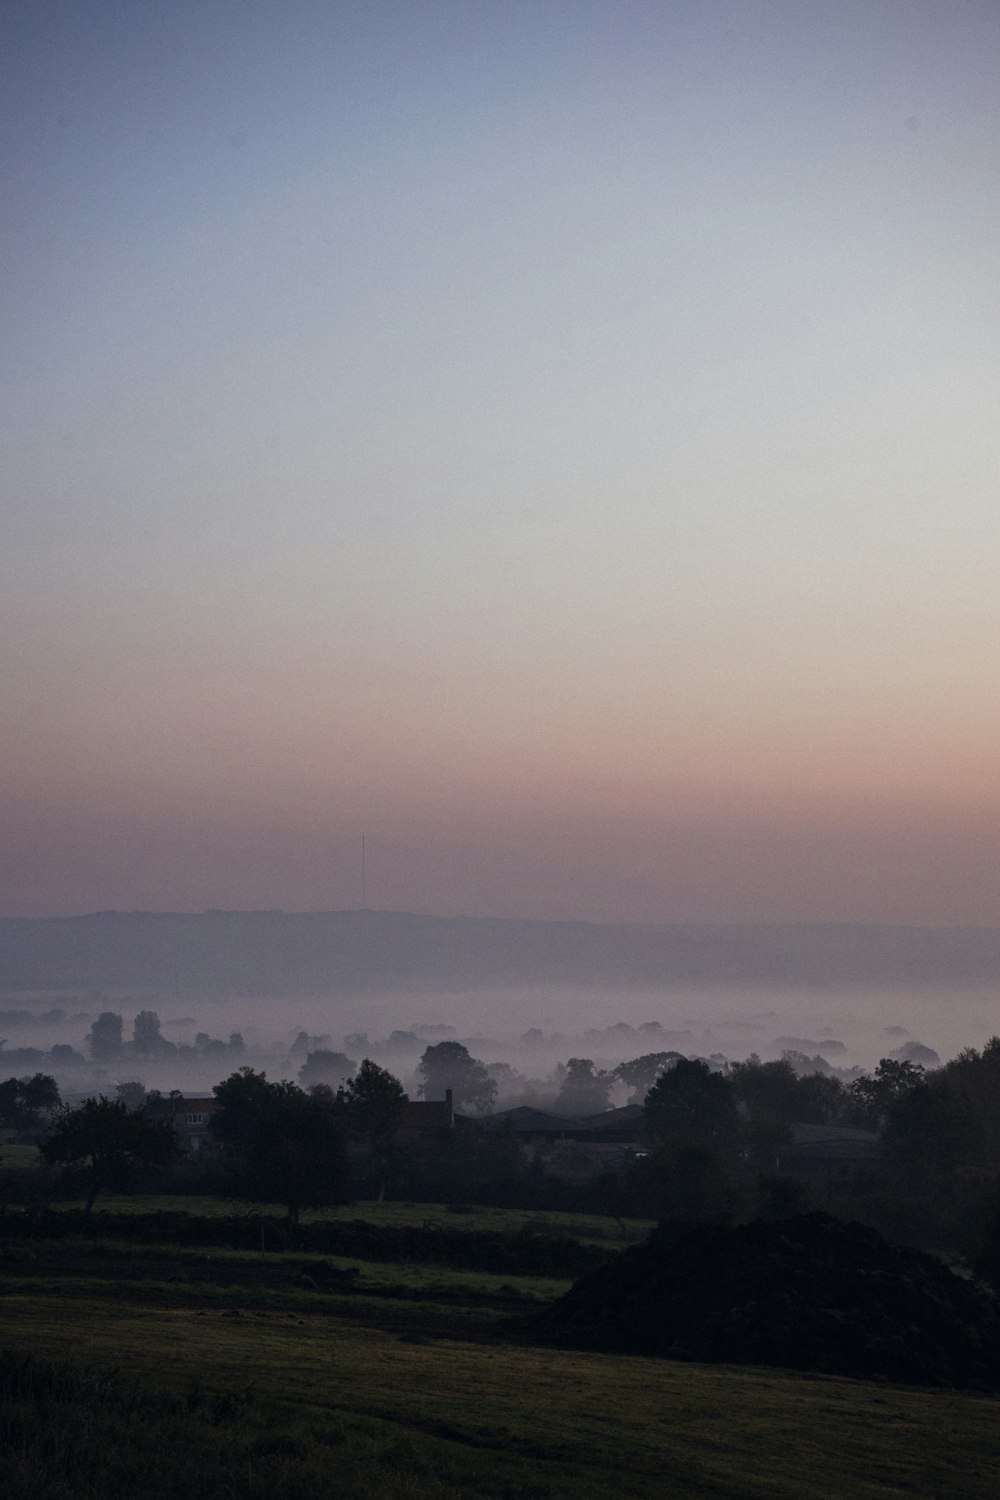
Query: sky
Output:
(556,442)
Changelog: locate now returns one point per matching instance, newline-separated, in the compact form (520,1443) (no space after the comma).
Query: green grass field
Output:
(13,1155)
(424,1382)
(527,1420)
(594,1229)
(193,1269)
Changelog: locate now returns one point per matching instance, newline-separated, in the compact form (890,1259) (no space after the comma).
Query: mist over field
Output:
(735,1020)
(531,1029)
(527,994)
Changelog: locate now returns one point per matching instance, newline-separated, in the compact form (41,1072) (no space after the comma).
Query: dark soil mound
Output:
(808,1293)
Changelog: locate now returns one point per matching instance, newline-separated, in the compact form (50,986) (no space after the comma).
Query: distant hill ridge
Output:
(281,953)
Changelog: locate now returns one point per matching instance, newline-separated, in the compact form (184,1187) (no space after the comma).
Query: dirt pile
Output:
(808,1293)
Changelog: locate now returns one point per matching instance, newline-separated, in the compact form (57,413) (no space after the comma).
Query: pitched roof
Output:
(829,1143)
(810,1135)
(629,1114)
(525,1120)
(426,1114)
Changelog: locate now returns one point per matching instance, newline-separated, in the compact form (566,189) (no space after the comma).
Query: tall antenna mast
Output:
(364,893)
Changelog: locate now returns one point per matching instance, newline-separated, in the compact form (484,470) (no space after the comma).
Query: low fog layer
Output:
(531,1031)
(265,988)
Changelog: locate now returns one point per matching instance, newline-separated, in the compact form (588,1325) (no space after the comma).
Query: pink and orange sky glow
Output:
(558,441)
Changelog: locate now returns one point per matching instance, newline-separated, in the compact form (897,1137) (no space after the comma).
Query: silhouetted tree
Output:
(772,1096)
(872,1094)
(510,1083)
(25,1103)
(802,1064)
(448,1065)
(159,1106)
(333,1068)
(65,1055)
(373,1101)
(146,1033)
(211,1046)
(304,1044)
(767,1097)
(823,1099)
(930,1130)
(132,1093)
(976,1077)
(984,1246)
(111,1139)
(766,1090)
(282,1144)
(640,1073)
(402,1041)
(691,1103)
(583,1090)
(105,1037)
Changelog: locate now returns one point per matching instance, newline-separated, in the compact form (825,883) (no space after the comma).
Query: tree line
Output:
(711,1139)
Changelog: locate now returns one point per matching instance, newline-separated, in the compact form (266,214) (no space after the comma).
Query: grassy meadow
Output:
(596,1229)
(14,1154)
(234,1374)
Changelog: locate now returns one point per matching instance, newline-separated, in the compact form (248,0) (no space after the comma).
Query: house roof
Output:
(426,1114)
(613,1119)
(809,1135)
(527,1121)
(830,1143)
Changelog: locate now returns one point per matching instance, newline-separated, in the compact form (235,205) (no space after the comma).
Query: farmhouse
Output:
(191,1116)
(426,1120)
(617,1127)
(608,1136)
(536,1126)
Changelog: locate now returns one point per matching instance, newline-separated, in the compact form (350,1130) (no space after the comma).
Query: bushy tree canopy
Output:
(132,1093)
(931,1129)
(324,1066)
(448,1065)
(873,1093)
(105,1037)
(691,1103)
(282,1144)
(774,1092)
(373,1101)
(640,1073)
(583,1090)
(26,1102)
(111,1139)
(146,1033)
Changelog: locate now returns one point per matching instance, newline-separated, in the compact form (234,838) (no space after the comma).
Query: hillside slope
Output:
(274,952)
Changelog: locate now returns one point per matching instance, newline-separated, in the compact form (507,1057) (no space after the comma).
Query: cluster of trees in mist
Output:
(613,1065)
(106,1043)
(710,1138)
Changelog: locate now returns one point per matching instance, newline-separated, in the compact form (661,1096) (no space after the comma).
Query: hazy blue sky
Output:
(559,441)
